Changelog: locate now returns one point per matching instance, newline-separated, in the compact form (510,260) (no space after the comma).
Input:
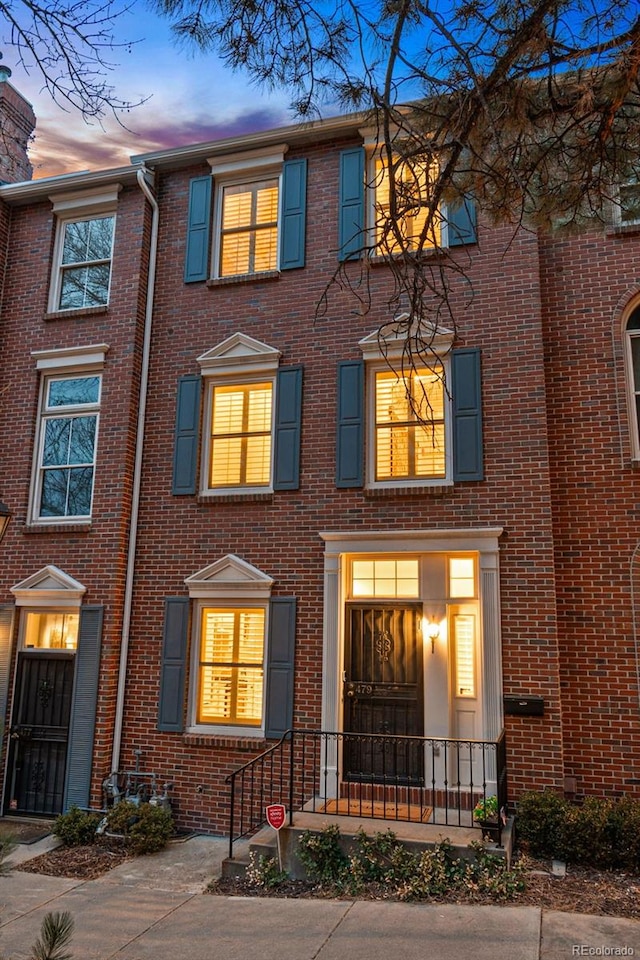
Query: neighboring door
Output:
(383,694)
(39,734)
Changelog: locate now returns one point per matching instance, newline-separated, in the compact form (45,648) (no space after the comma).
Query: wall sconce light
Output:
(433,632)
(5,516)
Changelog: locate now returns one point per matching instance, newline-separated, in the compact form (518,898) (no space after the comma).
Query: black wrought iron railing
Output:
(420,779)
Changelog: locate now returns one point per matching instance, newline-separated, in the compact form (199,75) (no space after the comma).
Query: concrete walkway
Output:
(153,908)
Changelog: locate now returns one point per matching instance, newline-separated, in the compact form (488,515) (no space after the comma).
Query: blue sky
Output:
(192,99)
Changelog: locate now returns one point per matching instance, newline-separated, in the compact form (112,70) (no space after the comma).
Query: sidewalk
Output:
(153,908)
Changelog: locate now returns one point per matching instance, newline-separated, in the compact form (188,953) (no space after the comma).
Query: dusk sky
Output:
(192,99)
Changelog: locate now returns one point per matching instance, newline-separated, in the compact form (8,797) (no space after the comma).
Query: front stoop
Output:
(415,836)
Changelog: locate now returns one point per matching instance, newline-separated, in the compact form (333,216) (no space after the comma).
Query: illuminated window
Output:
(51,630)
(412,204)
(384,577)
(241,425)
(249,228)
(409,425)
(464,639)
(462,579)
(231,669)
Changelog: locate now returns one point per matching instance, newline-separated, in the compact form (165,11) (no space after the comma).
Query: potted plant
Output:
(486,813)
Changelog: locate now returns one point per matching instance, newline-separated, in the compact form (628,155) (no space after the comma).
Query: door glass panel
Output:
(51,631)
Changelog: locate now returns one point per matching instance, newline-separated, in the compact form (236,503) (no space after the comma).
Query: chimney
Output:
(17,123)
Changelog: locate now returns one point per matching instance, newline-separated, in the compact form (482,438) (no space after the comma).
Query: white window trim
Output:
(630,385)
(616,206)
(237,360)
(228,583)
(383,350)
(73,207)
(241,168)
(374,150)
(65,363)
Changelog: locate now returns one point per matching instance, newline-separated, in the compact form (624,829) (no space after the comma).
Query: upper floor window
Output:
(241,428)
(83,251)
(628,207)
(258,219)
(409,424)
(67,434)
(85,263)
(249,228)
(632,351)
(400,214)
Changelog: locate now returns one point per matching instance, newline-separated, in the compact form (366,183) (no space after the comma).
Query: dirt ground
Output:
(582,890)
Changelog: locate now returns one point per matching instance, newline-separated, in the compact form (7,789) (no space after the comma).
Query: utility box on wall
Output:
(526,706)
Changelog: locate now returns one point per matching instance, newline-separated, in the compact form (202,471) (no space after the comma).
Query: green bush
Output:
(264,872)
(599,833)
(541,822)
(76,827)
(322,857)
(384,863)
(145,827)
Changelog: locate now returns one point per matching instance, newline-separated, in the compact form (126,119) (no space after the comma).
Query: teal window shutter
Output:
(83,709)
(174,665)
(350,425)
(461,221)
(351,226)
(6,637)
(466,391)
(187,436)
(288,429)
(294,214)
(281,644)
(196,261)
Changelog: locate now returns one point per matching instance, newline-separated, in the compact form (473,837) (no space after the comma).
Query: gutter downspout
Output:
(137,471)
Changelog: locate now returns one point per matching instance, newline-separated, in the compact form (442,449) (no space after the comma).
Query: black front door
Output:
(383,694)
(39,734)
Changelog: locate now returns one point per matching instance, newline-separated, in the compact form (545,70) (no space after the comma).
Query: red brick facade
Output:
(559,479)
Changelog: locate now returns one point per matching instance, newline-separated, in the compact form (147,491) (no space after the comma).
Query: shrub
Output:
(322,856)
(145,827)
(541,822)
(265,872)
(76,827)
(599,833)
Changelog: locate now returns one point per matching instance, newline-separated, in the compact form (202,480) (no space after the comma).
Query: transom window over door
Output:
(410,427)
(249,231)
(231,671)
(68,446)
(241,435)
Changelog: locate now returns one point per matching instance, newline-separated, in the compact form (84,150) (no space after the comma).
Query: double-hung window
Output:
(409,414)
(231,666)
(249,227)
(65,460)
(258,220)
(241,429)
(409,434)
(83,251)
(401,204)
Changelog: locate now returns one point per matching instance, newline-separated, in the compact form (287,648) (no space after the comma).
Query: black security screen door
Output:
(39,734)
(383,693)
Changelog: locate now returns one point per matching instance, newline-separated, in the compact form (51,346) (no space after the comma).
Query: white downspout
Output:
(137,472)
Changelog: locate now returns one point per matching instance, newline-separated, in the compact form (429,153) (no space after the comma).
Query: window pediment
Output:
(50,586)
(389,340)
(230,577)
(238,353)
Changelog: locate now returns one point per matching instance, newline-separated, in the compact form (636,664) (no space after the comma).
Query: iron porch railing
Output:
(421,779)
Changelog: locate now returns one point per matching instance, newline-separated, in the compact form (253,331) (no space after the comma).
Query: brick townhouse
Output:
(229,520)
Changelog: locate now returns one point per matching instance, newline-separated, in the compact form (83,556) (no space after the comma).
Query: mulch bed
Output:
(79,863)
(599,892)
